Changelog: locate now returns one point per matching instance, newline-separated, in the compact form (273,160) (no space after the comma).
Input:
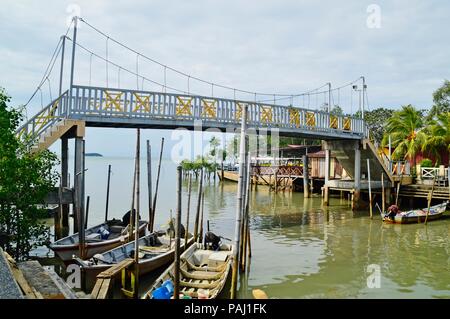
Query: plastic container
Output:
(168,285)
(161,293)
(104,233)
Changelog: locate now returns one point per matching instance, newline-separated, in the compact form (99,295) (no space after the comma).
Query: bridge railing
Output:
(45,118)
(122,103)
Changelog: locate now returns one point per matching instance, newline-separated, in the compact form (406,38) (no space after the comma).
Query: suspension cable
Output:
(50,65)
(181,72)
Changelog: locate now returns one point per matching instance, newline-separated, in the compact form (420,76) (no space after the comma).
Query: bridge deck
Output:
(107,107)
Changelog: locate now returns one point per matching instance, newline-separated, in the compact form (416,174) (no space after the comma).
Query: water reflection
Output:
(300,248)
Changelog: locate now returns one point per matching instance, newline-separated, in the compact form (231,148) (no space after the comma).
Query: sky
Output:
(287,47)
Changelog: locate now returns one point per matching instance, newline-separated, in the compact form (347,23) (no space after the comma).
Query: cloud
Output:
(266,46)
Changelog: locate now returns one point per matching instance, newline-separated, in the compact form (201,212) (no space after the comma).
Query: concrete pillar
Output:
(357,178)
(306,192)
(327,177)
(78,183)
(65,177)
(388,195)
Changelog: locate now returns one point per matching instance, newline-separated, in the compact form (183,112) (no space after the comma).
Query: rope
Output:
(165,80)
(50,90)
(107,39)
(90,69)
(50,64)
(127,70)
(137,71)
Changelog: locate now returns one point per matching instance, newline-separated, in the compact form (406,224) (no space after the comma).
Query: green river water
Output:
(300,249)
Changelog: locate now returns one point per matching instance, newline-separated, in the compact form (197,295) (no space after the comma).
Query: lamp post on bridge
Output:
(329,97)
(363,93)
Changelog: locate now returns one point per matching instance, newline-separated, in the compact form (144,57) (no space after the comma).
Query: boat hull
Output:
(413,219)
(66,252)
(146,266)
(420,216)
(187,257)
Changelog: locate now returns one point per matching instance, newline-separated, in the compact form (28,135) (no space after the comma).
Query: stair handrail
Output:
(35,126)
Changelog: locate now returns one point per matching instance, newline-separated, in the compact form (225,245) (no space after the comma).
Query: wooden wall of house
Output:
(318,168)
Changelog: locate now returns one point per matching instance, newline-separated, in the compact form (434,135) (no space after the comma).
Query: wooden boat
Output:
(203,273)
(417,215)
(65,248)
(155,250)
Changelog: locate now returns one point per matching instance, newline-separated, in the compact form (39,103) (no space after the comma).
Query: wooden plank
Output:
(103,293)
(39,279)
(96,290)
(115,269)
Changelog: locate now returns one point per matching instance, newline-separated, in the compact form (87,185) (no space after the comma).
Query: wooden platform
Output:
(9,289)
(104,279)
(422,191)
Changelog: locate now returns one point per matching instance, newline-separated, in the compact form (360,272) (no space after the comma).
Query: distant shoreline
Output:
(94,154)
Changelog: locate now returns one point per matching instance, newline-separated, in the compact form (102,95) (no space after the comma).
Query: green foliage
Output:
(426,163)
(438,135)
(441,99)
(213,145)
(25,180)
(337,110)
(376,121)
(405,128)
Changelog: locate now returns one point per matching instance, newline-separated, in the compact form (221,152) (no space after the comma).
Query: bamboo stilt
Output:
(176,293)
(107,193)
(88,198)
(149,185)
(370,189)
(188,211)
(200,233)
(157,185)
(237,232)
(430,197)
(136,217)
(383,195)
(199,203)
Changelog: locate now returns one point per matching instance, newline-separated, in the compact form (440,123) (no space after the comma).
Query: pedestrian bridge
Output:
(124,108)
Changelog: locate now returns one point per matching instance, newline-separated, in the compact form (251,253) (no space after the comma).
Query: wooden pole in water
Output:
(88,198)
(200,233)
(81,229)
(245,234)
(430,197)
(370,188)
(157,185)
(383,195)
(199,203)
(237,230)
(149,186)
(132,211)
(107,193)
(176,293)
(244,201)
(186,237)
(59,214)
(398,190)
(136,217)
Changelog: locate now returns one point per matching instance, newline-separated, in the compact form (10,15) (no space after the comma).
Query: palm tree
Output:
(438,137)
(405,128)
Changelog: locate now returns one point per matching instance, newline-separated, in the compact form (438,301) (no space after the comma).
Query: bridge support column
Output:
(326,194)
(306,192)
(357,178)
(78,207)
(388,195)
(65,177)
